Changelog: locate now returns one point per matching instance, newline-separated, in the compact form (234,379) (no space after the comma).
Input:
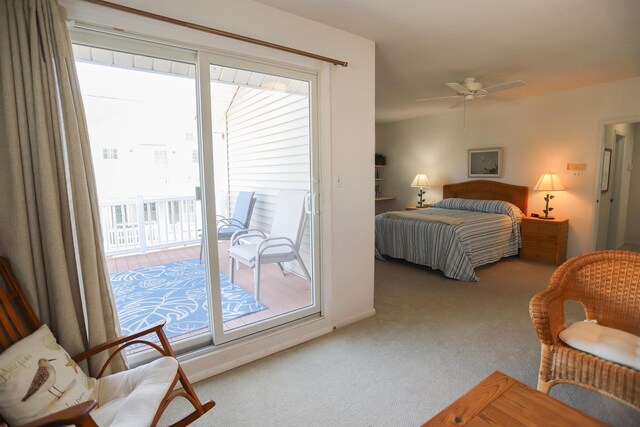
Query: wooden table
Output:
(501,400)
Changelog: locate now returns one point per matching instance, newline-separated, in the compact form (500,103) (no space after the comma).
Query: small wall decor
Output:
(381,159)
(606,170)
(485,163)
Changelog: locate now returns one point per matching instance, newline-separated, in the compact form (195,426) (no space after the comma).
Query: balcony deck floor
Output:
(281,294)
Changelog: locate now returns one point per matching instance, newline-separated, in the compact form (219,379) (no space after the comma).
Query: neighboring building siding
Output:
(268,151)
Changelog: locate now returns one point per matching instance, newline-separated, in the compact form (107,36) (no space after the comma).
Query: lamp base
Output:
(546,217)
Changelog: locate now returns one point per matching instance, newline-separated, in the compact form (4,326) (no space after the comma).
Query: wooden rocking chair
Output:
(18,320)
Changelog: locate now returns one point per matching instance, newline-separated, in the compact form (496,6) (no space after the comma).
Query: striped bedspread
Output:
(456,249)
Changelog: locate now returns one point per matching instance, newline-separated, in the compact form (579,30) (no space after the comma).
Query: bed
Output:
(470,227)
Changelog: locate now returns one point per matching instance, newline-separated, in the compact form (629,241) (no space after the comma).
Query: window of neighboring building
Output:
(110,153)
(161,158)
(150,212)
(119,214)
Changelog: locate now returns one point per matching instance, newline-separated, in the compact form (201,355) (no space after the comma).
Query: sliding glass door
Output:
(266,223)
(191,150)
(142,114)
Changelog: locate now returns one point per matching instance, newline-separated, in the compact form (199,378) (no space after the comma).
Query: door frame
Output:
(619,148)
(599,163)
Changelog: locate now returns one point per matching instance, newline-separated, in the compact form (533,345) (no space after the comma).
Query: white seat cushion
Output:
(247,254)
(607,343)
(132,398)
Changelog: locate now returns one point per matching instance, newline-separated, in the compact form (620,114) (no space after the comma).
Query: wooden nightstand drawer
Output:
(540,227)
(544,240)
(533,254)
(538,241)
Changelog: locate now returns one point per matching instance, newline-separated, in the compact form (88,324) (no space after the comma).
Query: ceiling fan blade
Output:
(504,86)
(439,97)
(458,88)
(498,98)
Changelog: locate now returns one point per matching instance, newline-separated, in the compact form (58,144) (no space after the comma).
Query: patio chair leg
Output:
(304,268)
(281,268)
(232,262)
(256,283)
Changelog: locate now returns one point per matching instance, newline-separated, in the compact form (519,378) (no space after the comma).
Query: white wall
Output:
(347,136)
(538,134)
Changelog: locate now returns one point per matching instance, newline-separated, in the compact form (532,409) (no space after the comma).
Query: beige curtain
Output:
(49,226)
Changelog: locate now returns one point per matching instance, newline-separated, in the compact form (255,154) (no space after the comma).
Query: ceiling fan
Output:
(472,89)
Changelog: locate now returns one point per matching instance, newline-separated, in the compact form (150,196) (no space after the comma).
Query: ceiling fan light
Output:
(474,86)
(468,97)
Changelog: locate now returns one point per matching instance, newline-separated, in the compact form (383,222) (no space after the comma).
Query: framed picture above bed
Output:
(485,163)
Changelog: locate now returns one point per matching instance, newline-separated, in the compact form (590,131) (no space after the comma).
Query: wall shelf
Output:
(378,178)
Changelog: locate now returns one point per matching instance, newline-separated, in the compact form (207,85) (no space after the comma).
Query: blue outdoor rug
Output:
(176,293)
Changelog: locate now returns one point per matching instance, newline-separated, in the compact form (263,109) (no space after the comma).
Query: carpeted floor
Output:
(431,340)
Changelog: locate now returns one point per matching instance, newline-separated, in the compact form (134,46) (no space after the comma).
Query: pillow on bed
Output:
(488,206)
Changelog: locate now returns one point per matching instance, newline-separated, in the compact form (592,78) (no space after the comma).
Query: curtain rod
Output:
(215,31)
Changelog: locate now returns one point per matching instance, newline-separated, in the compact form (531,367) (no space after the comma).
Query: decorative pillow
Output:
(607,343)
(489,206)
(38,378)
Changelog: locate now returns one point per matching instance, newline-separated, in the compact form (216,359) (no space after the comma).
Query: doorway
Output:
(618,200)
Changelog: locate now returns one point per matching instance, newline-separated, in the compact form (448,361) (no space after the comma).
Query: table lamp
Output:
(420,181)
(548,182)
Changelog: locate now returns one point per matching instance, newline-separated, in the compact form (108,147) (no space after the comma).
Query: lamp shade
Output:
(549,182)
(420,181)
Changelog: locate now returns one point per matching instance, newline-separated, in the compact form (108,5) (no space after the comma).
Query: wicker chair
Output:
(607,284)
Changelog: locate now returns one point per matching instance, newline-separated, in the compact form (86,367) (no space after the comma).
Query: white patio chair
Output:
(238,221)
(241,216)
(253,247)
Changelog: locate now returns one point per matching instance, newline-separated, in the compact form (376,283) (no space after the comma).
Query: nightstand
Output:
(544,240)
(415,208)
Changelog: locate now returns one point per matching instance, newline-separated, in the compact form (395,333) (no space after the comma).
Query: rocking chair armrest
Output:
(77,415)
(157,328)
(547,314)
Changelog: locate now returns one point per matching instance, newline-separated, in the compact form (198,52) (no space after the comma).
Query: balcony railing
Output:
(139,225)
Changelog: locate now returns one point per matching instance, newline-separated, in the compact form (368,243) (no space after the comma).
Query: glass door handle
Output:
(316,203)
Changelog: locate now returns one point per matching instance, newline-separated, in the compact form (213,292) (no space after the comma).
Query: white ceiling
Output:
(553,45)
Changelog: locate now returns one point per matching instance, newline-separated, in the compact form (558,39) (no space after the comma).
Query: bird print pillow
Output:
(38,378)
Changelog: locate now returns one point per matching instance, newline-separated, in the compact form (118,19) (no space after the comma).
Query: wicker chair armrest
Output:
(77,415)
(157,328)
(547,314)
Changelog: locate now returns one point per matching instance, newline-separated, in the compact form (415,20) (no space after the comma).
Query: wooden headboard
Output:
(489,190)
